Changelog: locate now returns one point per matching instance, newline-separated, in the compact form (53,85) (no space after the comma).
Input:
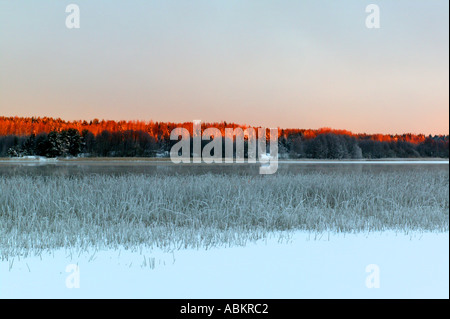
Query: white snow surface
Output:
(306,265)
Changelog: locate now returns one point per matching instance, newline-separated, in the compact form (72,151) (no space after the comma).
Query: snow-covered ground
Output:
(372,162)
(30,159)
(305,266)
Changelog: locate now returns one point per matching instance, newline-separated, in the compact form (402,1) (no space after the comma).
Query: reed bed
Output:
(39,213)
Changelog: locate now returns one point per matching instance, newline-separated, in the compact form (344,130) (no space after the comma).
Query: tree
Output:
(55,145)
(74,142)
(42,144)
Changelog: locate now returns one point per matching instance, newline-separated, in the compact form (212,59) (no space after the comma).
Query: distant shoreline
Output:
(143,160)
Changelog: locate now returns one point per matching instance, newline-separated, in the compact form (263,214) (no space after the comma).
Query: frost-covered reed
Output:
(46,212)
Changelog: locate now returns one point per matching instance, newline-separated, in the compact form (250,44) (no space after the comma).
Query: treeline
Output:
(26,126)
(70,143)
(139,143)
(333,146)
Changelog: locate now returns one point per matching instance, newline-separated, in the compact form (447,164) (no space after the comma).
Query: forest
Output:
(57,138)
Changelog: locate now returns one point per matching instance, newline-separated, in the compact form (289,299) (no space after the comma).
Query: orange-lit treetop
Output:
(25,126)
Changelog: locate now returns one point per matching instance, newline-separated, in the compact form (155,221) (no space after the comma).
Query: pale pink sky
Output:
(291,64)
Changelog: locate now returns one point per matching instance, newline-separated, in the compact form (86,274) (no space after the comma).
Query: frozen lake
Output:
(308,265)
(165,167)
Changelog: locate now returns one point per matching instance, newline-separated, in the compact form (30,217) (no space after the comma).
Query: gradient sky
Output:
(297,64)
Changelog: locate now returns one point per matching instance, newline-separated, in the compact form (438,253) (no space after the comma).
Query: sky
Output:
(284,63)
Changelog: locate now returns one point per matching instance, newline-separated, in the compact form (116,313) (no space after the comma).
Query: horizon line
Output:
(218,122)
